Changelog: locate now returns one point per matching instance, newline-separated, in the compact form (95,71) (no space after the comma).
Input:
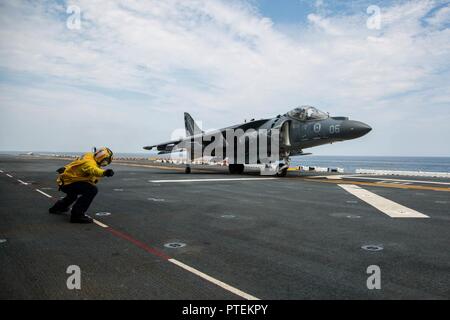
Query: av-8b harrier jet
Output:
(267,142)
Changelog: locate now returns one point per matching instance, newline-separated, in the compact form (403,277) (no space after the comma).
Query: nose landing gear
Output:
(282,170)
(283,167)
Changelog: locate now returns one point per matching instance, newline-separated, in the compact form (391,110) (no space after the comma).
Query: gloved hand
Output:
(61,170)
(108,173)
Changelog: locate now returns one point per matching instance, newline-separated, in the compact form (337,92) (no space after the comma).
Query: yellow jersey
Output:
(84,169)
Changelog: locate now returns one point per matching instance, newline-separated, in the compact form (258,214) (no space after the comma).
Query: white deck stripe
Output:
(1,171)
(213,280)
(42,192)
(100,224)
(391,208)
(210,180)
(8,175)
(24,183)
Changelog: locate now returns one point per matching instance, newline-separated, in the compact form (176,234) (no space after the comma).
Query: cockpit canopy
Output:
(304,113)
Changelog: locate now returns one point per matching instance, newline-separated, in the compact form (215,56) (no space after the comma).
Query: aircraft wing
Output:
(166,146)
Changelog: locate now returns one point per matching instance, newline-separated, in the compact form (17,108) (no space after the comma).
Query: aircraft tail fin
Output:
(191,127)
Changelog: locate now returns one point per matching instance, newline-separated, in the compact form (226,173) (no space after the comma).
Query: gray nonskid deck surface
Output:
(274,239)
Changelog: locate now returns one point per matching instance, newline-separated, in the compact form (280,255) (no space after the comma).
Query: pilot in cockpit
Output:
(307,113)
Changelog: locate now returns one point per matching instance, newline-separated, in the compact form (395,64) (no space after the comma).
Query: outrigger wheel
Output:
(187,170)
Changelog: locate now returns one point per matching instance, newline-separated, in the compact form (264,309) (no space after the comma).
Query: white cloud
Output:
(223,62)
(441,18)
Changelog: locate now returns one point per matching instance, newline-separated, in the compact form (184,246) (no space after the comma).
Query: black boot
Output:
(77,218)
(58,208)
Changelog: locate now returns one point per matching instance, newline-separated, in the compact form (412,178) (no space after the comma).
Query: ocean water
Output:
(348,163)
(351,163)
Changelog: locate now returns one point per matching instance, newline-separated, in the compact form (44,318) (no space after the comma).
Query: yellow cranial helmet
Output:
(103,156)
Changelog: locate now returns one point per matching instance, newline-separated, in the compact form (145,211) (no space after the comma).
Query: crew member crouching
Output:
(77,180)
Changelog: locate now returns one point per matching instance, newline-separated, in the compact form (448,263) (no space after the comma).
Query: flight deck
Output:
(162,234)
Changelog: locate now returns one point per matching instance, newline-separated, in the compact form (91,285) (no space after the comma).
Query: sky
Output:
(121,73)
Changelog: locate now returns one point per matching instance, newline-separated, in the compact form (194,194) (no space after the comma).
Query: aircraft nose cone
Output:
(355,129)
(362,128)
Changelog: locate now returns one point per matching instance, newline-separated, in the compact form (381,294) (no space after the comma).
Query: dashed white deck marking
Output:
(211,180)
(45,194)
(8,175)
(389,207)
(100,224)
(24,183)
(213,280)
(156,199)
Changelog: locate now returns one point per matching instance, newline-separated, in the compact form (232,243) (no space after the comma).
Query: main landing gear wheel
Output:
(236,168)
(187,170)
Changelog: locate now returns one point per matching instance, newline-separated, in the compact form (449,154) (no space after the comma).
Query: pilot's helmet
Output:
(301,113)
(103,156)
